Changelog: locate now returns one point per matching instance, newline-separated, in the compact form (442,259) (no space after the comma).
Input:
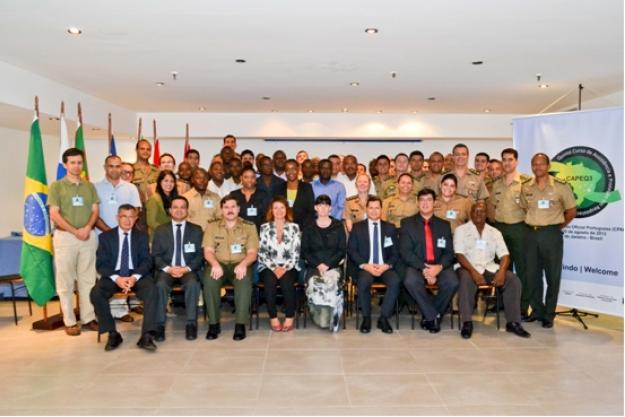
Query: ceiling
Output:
(304,55)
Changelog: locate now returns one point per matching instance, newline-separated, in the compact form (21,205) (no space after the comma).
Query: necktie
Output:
(124,264)
(376,244)
(178,252)
(429,242)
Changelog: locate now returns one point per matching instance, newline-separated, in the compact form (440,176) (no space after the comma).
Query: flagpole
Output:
(110,130)
(80,114)
(154,130)
(139,131)
(62,108)
(37,106)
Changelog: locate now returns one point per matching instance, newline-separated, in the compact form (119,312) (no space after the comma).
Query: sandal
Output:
(288,325)
(275,324)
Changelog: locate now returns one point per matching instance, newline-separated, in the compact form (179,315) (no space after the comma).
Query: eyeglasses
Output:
(127,172)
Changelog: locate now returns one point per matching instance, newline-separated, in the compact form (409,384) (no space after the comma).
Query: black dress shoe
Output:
(365,327)
(384,325)
(146,342)
(528,318)
(517,329)
(423,324)
(115,339)
(159,335)
(213,331)
(191,331)
(547,324)
(239,332)
(434,326)
(467,330)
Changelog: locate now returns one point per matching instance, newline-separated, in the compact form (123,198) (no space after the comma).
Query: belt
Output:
(543,227)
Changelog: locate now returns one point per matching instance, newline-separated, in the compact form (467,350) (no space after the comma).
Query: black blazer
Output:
(412,241)
(325,246)
(304,205)
(358,246)
(108,250)
(163,246)
(272,189)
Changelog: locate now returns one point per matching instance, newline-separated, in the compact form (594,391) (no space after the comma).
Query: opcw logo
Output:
(590,174)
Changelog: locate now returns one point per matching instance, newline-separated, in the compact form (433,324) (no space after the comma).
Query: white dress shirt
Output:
(112,196)
(120,236)
(379,239)
(480,250)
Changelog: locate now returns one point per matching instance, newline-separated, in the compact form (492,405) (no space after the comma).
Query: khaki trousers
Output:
(74,261)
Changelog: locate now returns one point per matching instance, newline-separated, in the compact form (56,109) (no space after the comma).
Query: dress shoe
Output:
(213,331)
(467,330)
(72,330)
(92,325)
(517,329)
(365,327)
(547,324)
(115,339)
(159,335)
(126,318)
(146,342)
(528,318)
(384,325)
(423,324)
(239,332)
(190,331)
(137,309)
(433,326)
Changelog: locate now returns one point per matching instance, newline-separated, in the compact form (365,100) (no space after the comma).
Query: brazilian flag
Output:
(36,261)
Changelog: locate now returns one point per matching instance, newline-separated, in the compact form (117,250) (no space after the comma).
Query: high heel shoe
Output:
(288,325)
(276,326)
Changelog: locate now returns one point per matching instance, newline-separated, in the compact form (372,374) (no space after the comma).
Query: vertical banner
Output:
(586,150)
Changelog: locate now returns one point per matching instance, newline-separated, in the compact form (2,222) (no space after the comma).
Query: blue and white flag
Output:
(60,169)
(112,147)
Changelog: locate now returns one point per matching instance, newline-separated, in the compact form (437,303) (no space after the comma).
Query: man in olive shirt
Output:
(145,172)
(385,184)
(73,205)
(230,248)
(432,178)
(509,218)
(550,206)
(403,204)
(470,184)
(203,204)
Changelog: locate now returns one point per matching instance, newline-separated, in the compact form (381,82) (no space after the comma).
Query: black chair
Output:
(16,283)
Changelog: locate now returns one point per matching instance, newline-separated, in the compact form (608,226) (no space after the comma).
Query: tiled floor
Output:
(565,370)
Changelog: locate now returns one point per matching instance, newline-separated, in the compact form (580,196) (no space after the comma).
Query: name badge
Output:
(451,214)
(208,204)
(441,243)
(388,242)
(235,248)
(252,211)
(189,248)
(480,244)
(77,201)
(543,204)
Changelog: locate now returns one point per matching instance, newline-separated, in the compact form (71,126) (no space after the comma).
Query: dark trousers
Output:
(104,289)
(242,292)
(511,292)
(429,304)
(544,253)
(287,284)
(191,284)
(515,236)
(363,284)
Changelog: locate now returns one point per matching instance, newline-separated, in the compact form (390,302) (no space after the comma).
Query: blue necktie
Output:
(124,267)
(376,244)
(178,254)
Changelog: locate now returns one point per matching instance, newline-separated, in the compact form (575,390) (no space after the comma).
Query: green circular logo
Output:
(591,176)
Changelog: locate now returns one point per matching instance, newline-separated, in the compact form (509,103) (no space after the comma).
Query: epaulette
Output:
(247,222)
(354,197)
(420,176)
(445,171)
(526,180)
(472,171)
(560,180)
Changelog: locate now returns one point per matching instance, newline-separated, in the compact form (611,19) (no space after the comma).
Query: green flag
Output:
(80,144)
(36,261)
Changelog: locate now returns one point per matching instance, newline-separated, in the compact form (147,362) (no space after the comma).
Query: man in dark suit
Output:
(426,248)
(124,264)
(373,250)
(303,205)
(178,259)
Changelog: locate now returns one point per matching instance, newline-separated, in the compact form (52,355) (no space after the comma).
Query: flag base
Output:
(50,323)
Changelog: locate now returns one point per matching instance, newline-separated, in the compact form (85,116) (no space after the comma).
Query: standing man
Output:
(385,184)
(432,178)
(247,158)
(235,167)
(230,141)
(509,216)
(550,206)
(336,164)
(419,174)
(279,164)
(203,204)
(348,176)
(73,205)
(330,187)
(218,183)
(480,162)
(268,182)
(193,158)
(470,183)
(426,247)
(183,179)
(374,249)
(145,173)
(252,202)
(177,251)
(308,171)
(124,264)
(476,244)
(230,248)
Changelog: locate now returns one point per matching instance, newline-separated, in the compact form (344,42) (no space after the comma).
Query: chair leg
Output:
(30,306)
(497,306)
(13,300)
(413,316)
(357,311)
(396,314)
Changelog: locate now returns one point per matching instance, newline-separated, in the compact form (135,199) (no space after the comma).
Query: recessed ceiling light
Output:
(160,84)
(477,62)
(486,110)
(543,86)
(74,30)
(202,108)
(240,61)
(266,98)
(354,83)
(371,31)
(431,98)
(311,111)
(379,111)
(274,111)
(345,110)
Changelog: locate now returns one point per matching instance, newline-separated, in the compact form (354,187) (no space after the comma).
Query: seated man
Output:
(426,248)
(230,248)
(177,251)
(476,244)
(124,264)
(373,248)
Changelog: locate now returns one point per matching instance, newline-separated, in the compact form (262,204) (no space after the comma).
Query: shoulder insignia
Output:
(525,181)
(352,198)
(525,177)
(472,171)
(560,180)
(243,221)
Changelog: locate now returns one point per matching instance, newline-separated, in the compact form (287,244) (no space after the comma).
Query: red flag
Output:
(187,147)
(157,153)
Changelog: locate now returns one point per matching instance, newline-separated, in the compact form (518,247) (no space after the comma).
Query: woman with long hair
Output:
(157,206)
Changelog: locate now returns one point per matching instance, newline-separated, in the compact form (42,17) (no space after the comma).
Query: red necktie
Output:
(429,242)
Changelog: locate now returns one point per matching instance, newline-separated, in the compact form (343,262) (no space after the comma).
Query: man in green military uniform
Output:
(385,184)
(145,173)
(509,218)
(550,206)
(470,184)
(230,248)
(432,178)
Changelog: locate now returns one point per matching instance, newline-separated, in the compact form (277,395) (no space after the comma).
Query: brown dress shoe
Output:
(126,318)
(92,325)
(72,330)
(137,309)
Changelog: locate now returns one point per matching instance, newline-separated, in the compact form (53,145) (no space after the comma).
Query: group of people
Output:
(432,227)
